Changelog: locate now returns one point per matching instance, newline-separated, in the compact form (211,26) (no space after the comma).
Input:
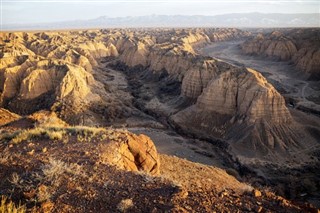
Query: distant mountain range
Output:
(227,20)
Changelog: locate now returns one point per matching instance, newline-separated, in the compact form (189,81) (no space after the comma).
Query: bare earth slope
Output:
(81,169)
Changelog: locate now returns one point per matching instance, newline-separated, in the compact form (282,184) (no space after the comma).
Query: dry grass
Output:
(15,179)
(56,168)
(19,136)
(43,194)
(84,134)
(5,156)
(7,206)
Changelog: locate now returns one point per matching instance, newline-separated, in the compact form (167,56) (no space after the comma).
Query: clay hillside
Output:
(83,114)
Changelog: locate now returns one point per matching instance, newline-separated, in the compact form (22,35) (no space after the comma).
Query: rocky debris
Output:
(296,45)
(188,175)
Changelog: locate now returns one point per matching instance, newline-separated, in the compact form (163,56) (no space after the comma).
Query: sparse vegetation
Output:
(7,206)
(84,134)
(55,168)
(43,194)
(52,134)
(15,179)
(5,156)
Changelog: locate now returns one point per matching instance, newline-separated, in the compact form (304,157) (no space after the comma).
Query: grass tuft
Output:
(7,206)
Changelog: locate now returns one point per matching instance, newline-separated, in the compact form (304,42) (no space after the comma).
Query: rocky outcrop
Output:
(308,60)
(133,153)
(198,76)
(299,46)
(240,106)
(275,45)
(244,93)
(39,70)
(224,34)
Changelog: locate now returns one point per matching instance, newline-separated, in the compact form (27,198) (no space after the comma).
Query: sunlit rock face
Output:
(275,45)
(54,69)
(296,45)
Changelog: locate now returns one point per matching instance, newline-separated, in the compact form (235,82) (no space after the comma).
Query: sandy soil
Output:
(291,83)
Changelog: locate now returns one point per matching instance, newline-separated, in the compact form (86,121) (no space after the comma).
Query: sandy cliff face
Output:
(299,46)
(275,45)
(231,103)
(222,34)
(206,97)
(244,93)
(240,106)
(308,60)
(39,70)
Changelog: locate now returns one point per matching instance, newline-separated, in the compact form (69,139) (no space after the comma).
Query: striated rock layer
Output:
(199,95)
(301,46)
(220,101)
(43,70)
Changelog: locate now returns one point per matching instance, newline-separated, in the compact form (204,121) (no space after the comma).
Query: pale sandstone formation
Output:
(197,38)
(135,55)
(275,45)
(244,93)
(198,77)
(224,99)
(131,152)
(55,65)
(308,59)
(233,104)
(296,45)
(239,105)
(11,80)
(223,34)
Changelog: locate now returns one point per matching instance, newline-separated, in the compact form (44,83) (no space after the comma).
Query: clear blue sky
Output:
(39,11)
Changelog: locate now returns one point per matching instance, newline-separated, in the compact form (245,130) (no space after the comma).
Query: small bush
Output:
(55,168)
(125,205)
